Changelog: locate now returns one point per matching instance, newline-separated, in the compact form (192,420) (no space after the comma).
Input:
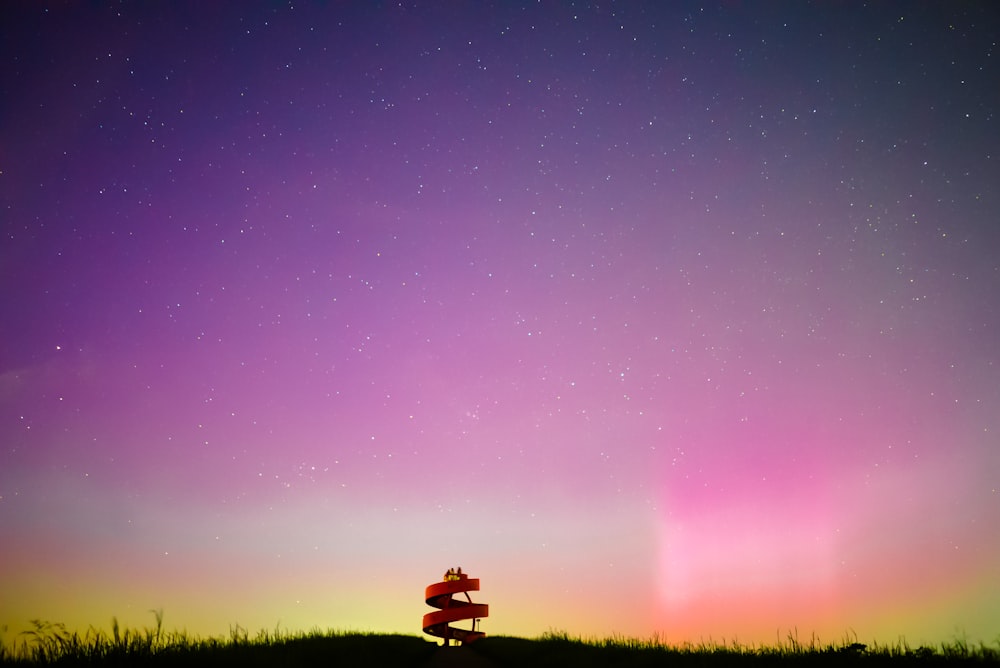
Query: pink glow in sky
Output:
(657,318)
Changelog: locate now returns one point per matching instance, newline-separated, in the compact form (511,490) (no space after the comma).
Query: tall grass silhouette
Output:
(51,644)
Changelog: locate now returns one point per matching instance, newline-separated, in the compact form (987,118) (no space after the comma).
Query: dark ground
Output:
(383,651)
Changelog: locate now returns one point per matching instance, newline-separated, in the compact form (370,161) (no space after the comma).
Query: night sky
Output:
(660,318)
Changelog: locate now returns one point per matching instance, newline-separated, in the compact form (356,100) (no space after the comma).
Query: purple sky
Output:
(658,318)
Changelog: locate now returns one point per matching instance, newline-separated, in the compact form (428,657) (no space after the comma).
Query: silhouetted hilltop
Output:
(55,647)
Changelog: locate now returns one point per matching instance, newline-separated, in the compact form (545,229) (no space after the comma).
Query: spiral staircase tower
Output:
(441,595)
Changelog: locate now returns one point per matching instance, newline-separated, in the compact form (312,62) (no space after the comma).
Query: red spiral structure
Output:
(440,595)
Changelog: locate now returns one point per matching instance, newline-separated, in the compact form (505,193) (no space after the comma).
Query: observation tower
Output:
(441,595)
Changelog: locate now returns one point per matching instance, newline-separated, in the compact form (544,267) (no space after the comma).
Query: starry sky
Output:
(659,318)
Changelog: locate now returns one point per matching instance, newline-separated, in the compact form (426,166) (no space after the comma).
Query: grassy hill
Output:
(52,645)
